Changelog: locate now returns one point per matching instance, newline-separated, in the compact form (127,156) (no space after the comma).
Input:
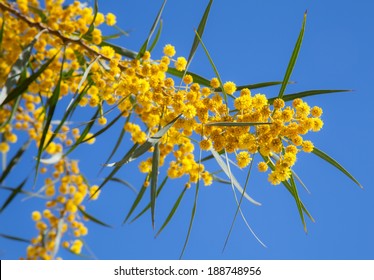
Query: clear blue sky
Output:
(250,42)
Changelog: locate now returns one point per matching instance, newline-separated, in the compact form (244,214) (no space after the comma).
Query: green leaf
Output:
(235,123)
(14,109)
(155,23)
(193,212)
(157,37)
(159,189)
(17,69)
(14,238)
(254,86)
(51,104)
(196,78)
(39,12)
(92,24)
(172,212)
(86,130)
(2,32)
(334,163)
(14,160)
(154,177)
(125,183)
(92,218)
(14,193)
(233,180)
(293,59)
(289,97)
(199,33)
(213,66)
(136,202)
(151,141)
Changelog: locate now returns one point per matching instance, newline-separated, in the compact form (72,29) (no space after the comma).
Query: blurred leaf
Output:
(92,218)
(14,160)
(123,182)
(15,238)
(151,141)
(191,219)
(51,104)
(235,123)
(123,32)
(14,109)
(136,202)
(6,94)
(159,189)
(293,59)
(92,24)
(14,193)
(213,66)
(52,159)
(157,37)
(2,32)
(154,177)
(254,86)
(196,78)
(39,12)
(334,163)
(220,180)
(172,212)
(155,23)
(86,130)
(289,97)
(225,169)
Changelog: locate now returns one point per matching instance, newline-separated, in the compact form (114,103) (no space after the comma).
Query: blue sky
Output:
(250,42)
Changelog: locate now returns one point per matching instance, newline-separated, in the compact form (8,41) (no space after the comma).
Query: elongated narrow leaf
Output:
(157,37)
(199,32)
(14,238)
(92,218)
(52,159)
(86,130)
(289,97)
(334,163)
(255,86)
(92,24)
(135,203)
(52,103)
(236,123)
(14,160)
(196,78)
(125,183)
(172,211)
(14,109)
(298,201)
(17,69)
(293,59)
(14,193)
(154,177)
(2,32)
(151,141)
(120,50)
(155,23)
(159,189)
(225,169)
(193,212)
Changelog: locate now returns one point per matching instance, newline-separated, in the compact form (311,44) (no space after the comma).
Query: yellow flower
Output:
(111,19)
(229,87)
(214,83)
(243,159)
(94,192)
(262,166)
(169,50)
(205,144)
(180,64)
(36,216)
(307,146)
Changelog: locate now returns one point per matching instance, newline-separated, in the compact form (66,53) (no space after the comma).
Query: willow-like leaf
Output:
(125,183)
(236,123)
(14,238)
(289,97)
(334,163)
(2,32)
(255,86)
(17,69)
(14,160)
(13,194)
(120,50)
(92,24)
(154,177)
(11,116)
(220,180)
(151,141)
(159,189)
(51,104)
(92,218)
(213,66)
(86,130)
(293,59)
(155,23)
(196,78)
(157,37)
(172,211)
(136,202)
(232,178)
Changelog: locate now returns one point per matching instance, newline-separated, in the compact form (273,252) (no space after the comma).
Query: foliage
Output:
(54,52)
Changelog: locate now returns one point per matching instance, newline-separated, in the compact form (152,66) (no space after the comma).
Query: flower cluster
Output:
(140,88)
